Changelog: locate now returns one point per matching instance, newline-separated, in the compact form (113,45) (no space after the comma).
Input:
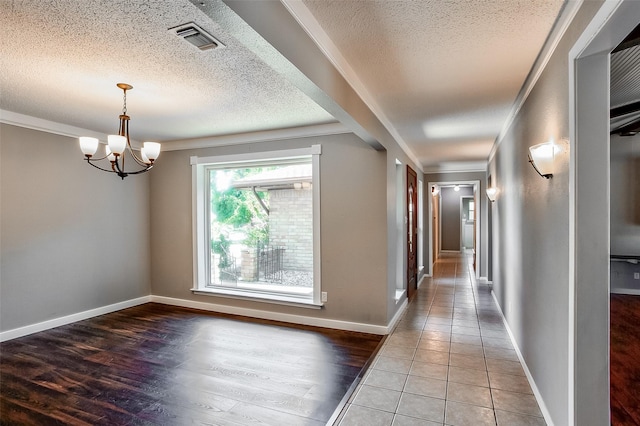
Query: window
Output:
(256,226)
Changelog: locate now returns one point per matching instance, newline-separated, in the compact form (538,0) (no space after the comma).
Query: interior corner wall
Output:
(530,227)
(353,222)
(72,238)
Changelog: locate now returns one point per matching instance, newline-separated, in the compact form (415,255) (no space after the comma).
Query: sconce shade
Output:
(542,158)
(435,190)
(492,193)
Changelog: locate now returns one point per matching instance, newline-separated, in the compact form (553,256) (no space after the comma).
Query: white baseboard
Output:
(57,322)
(532,383)
(422,279)
(627,291)
(397,316)
(485,280)
(256,313)
(277,316)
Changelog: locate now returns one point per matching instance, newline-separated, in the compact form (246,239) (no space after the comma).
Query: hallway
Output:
(449,361)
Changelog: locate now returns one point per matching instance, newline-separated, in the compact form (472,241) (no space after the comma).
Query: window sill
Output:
(276,299)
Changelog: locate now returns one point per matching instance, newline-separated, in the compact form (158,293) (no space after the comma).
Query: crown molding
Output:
(34,123)
(42,125)
(253,137)
(457,167)
(569,11)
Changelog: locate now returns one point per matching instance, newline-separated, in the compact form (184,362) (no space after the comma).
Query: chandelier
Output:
(119,145)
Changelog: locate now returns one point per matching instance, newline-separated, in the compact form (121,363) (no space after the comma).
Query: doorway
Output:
(589,212)
(412,232)
(445,225)
(467,223)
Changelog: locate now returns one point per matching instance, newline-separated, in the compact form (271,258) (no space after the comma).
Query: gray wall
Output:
(73,238)
(531,230)
(353,228)
(450,220)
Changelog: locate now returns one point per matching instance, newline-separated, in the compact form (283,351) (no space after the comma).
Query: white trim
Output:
(275,316)
(271,298)
(583,46)
(253,137)
(201,262)
(485,280)
(569,11)
(34,123)
(457,167)
(396,318)
(310,25)
(477,185)
(254,156)
(532,383)
(68,319)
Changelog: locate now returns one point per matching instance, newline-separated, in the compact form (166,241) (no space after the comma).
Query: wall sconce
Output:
(492,193)
(435,190)
(456,188)
(542,157)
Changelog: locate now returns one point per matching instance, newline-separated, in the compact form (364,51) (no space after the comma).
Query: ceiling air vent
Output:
(197,36)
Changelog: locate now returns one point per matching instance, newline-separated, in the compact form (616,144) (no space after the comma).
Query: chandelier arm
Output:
(141,171)
(98,167)
(135,157)
(96,159)
(115,165)
(130,147)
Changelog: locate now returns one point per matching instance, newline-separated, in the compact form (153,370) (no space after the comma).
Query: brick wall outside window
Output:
(291,227)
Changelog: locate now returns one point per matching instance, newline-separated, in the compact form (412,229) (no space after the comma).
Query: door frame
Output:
(589,222)
(473,198)
(479,218)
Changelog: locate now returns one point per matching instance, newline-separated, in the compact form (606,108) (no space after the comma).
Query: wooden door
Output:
(412,232)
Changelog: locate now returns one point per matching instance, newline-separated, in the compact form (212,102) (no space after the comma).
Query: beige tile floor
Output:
(449,361)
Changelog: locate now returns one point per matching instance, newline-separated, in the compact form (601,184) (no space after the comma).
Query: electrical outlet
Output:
(324,296)
(636,275)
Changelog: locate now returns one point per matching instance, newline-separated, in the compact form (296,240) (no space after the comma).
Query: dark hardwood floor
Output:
(164,365)
(625,360)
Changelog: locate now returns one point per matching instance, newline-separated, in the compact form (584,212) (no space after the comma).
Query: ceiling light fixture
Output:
(117,144)
(542,157)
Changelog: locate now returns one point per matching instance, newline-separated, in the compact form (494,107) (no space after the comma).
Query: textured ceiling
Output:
(442,75)
(445,73)
(61,61)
